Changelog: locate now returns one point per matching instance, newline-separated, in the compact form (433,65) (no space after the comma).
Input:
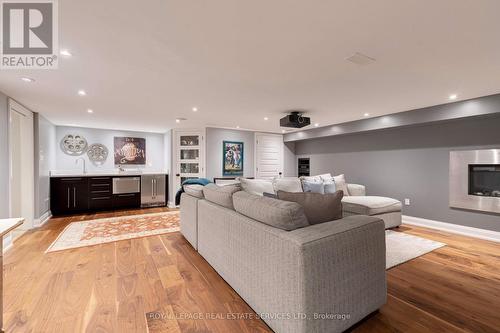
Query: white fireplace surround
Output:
(459,180)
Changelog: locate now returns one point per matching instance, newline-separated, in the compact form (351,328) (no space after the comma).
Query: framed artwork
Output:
(232,158)
(130,150)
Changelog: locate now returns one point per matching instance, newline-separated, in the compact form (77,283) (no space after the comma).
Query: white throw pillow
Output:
(341,184)
(318,178)
(257,186)
(287,184)
(325,176)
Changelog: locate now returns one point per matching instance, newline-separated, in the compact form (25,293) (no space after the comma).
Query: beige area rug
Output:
(401,247)
(94,232)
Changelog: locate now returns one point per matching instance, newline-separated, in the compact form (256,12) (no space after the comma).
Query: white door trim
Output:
(28,174)
(175,156)
(453,228)
(256,156)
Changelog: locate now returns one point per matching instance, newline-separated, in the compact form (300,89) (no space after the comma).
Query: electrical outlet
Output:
(407,202)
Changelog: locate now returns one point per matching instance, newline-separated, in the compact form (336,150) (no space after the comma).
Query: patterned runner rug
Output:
(94,232)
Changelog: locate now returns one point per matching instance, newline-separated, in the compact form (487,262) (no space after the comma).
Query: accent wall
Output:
(409,162)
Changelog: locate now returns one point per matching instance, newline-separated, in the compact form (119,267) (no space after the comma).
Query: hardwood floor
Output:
(160,284)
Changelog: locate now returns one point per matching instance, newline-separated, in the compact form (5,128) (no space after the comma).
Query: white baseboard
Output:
(42,220)
(453,228)
(7,242)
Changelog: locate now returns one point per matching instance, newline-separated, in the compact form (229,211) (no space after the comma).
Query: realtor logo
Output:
(29,34)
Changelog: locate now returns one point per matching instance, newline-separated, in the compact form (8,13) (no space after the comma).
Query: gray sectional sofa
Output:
(299,278)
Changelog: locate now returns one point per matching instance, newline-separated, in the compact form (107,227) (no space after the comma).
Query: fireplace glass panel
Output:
(484,180)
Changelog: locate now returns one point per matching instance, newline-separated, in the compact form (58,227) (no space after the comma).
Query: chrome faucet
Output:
(84,166)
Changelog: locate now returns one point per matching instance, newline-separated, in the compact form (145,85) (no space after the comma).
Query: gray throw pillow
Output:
(319,208)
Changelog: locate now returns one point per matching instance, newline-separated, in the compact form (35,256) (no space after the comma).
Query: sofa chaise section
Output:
(387,209)
(333,273)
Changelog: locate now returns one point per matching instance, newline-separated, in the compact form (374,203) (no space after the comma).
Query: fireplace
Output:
(484,180)
(475,180)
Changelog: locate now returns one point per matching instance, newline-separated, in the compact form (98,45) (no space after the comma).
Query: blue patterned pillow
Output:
(330,186)
(313,187)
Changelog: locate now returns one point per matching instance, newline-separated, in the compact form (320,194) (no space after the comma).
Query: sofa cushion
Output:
(370,205)
(276,213)
(225,182)
(221,195)
(194,190)
(356,189)
(287,184)
(318,207)
(257,186)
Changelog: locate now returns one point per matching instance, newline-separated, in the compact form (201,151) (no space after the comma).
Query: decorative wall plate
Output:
(97,153)
(74,144)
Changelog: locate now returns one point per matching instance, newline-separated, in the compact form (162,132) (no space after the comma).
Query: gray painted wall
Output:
(45,160)
(409,162)
(4,155)
(155,158)
(214,138)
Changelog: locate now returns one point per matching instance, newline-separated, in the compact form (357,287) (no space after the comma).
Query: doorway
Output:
(21,165)
(268,155)
(189,156)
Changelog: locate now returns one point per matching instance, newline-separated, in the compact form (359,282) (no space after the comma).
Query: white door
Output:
(21,164)
(268,155)
(189,156)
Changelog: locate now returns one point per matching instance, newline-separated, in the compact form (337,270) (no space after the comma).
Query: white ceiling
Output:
(146,63)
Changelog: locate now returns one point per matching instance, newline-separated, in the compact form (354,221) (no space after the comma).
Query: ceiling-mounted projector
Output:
(295,120)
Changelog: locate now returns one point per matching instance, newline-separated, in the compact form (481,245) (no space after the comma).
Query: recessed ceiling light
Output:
(237,127)
(65,53)
(195,109)
(283,131)
(366,114)
(82,92)
(90,111)
(360,59)
(265,118)
(453,96)
(27,79)
(177,121)
(316,125)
